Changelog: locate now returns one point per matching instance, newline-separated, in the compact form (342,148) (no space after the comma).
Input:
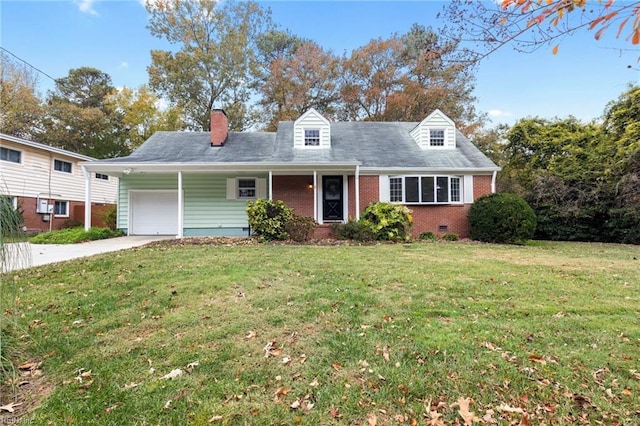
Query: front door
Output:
(332,198)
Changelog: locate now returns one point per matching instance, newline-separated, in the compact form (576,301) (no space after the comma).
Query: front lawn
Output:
(424,333)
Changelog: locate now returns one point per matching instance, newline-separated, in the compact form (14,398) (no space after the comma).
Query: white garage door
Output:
(154,213)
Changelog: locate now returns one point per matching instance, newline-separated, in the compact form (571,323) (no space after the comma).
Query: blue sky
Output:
(580,80)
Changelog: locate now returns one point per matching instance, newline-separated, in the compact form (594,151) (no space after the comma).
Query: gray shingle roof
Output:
(370,144)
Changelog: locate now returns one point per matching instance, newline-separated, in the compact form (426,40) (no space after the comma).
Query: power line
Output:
(27,63)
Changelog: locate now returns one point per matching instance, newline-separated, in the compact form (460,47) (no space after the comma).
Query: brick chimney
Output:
(219,127)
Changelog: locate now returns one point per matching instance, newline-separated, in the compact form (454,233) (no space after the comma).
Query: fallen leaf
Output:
(167,404)
(215,419)
(508,409)
(372,420)
(385,353)
(335,413)
(131,385)
(468,416)
(113,407)
(251,335)
(336,366)
(626,392)
(193,365)
(280,393)
(9,407)
(536,358)
(314,384)
(173,374)
(286,360)
(303,358)
(295,405)
(30,365)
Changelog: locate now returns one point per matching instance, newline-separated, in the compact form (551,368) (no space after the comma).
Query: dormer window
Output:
(311,137)
(436,137)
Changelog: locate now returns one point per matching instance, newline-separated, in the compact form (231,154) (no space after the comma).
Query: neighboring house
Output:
(198,183)
(47,185)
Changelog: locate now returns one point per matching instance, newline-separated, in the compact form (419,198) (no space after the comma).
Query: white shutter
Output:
(385,194)
(467,189)
(232,191)
(261,188)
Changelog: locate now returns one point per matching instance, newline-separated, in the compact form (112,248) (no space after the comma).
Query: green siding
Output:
(206,209)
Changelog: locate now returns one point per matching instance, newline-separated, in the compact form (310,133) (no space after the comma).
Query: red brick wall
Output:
(295,192)
(431,218)
(33,221)
(481,186)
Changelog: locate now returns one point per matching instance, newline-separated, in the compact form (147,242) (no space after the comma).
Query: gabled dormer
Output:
(311,131)
(437,131)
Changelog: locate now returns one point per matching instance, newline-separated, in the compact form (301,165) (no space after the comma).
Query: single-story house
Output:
(47,185)
(198,183)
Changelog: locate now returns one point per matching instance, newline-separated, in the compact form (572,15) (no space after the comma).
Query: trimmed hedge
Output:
(502,218)
(268,219)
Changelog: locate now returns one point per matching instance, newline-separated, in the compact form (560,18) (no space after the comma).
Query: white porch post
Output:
(180,207)
(87,198)
(270,185)
(357,185)
(315,196)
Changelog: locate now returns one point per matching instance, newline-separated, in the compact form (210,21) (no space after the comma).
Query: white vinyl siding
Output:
(312,120)
(441,125)
(35,175)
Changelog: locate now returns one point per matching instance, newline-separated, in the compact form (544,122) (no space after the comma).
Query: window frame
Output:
(56,204)
(239,189)
(309,138)
(398,188)
(59,161)
(101,176)
(8,155)
(441,140)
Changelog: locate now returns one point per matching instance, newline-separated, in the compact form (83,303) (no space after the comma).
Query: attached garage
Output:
(153,212)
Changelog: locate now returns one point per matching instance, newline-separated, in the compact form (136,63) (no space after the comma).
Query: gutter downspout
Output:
(493,181)
(357,192)
(270,185)
(180,207)
(87,198)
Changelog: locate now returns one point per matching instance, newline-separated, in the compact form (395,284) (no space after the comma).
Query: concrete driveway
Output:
(26,255)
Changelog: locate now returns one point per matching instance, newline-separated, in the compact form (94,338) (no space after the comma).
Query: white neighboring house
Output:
(47,184)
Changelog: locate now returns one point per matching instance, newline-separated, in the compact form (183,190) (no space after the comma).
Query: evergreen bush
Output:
(268,219)
(300,228)
(502,218)
(388,221)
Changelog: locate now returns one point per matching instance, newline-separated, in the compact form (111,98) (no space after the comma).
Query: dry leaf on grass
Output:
(463,409)
(215,419)
(172,375)
(372,420)
(10,407)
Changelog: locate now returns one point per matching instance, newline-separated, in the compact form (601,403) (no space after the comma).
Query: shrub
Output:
(388,221)
(427,236)
(74,235)
(10,218)
(300,228)
(502,218)
(353,230)
(449,236)
(110,217)
(268,219)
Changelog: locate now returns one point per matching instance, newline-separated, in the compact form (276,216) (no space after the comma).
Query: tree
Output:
(530,24)
(77,117)
(20,105)
(216,61)
(141,114)
(307,78)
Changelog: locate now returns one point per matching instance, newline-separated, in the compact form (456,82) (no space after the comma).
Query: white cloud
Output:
(86,6)
(124,66)
(499,113)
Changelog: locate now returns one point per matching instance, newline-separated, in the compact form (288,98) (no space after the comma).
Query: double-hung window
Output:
(436,137)
(311,137)
(425,189)
(11,155)
(61,208)
(246,189)
(62,166)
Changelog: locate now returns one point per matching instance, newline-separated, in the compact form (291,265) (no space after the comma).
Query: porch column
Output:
(180,207)
(357,192)
(270,185)
(87,198)
(315,196)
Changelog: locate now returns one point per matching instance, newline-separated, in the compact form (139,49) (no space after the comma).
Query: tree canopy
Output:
(20,105)
(527,25)
(215,63)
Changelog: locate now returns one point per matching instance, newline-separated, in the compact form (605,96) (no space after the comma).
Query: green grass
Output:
(74,235)
(398,332)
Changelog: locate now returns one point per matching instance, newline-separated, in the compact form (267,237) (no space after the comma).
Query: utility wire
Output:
(27,63)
